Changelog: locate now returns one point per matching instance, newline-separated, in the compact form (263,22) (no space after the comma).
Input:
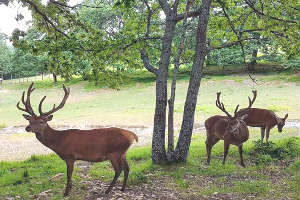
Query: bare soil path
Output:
(15,144)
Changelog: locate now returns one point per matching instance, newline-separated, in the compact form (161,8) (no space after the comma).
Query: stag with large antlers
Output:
(263,118)
(233,130)
(95,145)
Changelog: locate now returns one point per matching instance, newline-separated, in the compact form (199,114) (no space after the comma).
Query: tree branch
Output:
(251,5)
(194,13)
(239,36)
(230,44)
(144,55)
(147,65)
(46,19)
(165,6)
(72,7)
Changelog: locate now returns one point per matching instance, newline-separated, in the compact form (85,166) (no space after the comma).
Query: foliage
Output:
(269,152)
(20,63)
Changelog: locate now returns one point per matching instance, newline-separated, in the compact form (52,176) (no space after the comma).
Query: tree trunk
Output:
(208,57)
(186,131)
(158,139)
(54,77)
(171,100)
(251,65)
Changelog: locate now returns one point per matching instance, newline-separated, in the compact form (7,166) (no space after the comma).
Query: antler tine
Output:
(40,105)
(221,105)
(236,109)
(26,103)
(54,109)
(254,98)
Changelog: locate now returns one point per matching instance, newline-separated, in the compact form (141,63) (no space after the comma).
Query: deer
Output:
(263,118)
(70,145)
(231,129)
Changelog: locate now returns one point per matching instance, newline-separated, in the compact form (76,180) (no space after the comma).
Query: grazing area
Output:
(140,84)
(272,170)
(90,105)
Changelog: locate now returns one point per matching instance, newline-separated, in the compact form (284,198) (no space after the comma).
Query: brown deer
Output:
(263,118)
(95,145)
(233,130)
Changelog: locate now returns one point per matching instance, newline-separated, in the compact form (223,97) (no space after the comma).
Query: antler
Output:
(54,109)
(254,97)
(27,103)
(221,105)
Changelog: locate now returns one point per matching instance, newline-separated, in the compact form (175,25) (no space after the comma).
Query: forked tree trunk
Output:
(171,100)
(186,131)
(158,139)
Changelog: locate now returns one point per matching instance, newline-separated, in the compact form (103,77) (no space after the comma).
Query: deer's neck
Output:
(51,138)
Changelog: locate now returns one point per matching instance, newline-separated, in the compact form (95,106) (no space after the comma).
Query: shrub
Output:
(264,153)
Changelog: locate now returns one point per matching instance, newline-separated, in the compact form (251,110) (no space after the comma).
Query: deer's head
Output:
(281,122)
(38,124)
(233,122)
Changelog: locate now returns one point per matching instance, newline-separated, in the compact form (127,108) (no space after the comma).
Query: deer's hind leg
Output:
(210,142)
(116,162)
(126,169)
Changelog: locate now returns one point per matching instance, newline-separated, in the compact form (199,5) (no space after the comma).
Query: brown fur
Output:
(94,145)
(218,128)
(232,130)
(263,118)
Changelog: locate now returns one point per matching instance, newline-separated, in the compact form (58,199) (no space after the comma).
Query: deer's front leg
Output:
(267,133)
(70,166)
(226,147)
(241,155)
(262,132)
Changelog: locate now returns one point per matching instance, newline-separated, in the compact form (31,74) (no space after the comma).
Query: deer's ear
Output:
(27,117)
(49,118)
(286,116)
(244,117)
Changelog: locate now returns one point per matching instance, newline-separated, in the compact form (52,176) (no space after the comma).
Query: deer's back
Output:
(259,117)
(216,125)
(96,144)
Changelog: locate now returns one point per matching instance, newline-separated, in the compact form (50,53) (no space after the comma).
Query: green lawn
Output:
(133,103)
(272,172)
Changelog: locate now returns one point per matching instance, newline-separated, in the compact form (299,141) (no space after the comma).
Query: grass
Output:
(272,172)
(134,103)
(3,126)
(31,177)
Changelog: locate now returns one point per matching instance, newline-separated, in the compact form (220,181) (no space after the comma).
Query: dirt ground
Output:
(18,145)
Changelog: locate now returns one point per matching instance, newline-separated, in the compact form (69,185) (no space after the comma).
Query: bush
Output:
(264,153)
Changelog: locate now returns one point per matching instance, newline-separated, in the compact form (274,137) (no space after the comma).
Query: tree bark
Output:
(251,65)
(54,77)
(158,139)
(171,100)
(186,131)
